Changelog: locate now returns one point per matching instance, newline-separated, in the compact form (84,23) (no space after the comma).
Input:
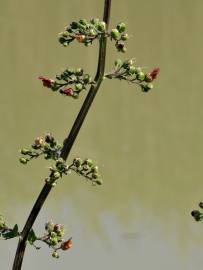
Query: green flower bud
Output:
(55,255)
(201,205)
(88,162)
(141,76)
(147,87)
(54,241)
(74,25)
(95,175)
(53,234)
(101,26)
(138,70)
(70,71)
(49,226)
(95,169)
(75,95)
(118,63)
(87,79)
(78,87)
(83,22)
(25,151)
(65,34)
(114,34)
(132,70)
(77,162)
(124,49)
(79,71)
(121,27)
(92,32)
(99,182)
(94,21)
(124,37)
(57,175)
(23,160)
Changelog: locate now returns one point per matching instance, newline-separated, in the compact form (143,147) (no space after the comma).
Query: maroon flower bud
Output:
(153,74)
(67,91)
(46,82)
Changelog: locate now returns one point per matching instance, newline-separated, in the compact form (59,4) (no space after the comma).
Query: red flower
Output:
(67,244)
(153,74)
(46,82)
(67,91)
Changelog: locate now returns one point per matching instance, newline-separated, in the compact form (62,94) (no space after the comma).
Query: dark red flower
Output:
(67,91)
(67,244)
(46,82)
(153,74)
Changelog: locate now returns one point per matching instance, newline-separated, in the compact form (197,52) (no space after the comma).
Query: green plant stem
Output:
(68,142)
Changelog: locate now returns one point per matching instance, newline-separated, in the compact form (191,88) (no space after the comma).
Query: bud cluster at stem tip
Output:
(196,214)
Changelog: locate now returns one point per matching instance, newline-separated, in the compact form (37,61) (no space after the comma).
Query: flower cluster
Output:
(47,146)
(87,31)
(69,83)
(57,171)
(83,31)
(120,36)
(6,232)
(196,214)
(126,70)
(53,238)
(87,169)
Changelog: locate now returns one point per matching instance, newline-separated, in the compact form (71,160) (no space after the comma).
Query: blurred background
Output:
(148,146)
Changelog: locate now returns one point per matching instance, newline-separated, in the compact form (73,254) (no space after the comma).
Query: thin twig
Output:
(68,142)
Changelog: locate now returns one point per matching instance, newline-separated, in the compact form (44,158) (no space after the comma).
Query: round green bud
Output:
(95,175)
(49,226)
(118,63)
(55,255)
(95,169)
(115,34)
(88,162)
(54,241)
(74,25)
(99,182)
(101,26)
(150,86)
(23,160)
(78,87)
(141,76)
(70,71)
(24,151)
(94,21)
(65,34)
(132,70)
(92,32)
(77,162)
(124,49)
(124,37)
(79,71)
(121,27)
(53,234)
(57,175)
(75,95)
(87,78)
(83,21)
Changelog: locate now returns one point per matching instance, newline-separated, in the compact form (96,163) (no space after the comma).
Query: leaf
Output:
(12,233)
(32,237)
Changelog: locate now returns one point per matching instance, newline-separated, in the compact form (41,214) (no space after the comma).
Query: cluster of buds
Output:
(87,169)
(120,36)
(87,31)
(53,238)
(83,31)
(196,214)
(47,146)
(126,70)
(6,232)
(57,172)
(69,83)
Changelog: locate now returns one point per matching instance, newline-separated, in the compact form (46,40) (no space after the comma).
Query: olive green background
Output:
(149,146)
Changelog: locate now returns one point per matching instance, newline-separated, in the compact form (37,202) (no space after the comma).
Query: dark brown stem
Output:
(68,142)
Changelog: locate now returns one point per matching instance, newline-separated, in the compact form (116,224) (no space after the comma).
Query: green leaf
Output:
(32,237)
(11,234)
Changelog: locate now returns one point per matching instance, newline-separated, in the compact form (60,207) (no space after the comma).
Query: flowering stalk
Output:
(68,142)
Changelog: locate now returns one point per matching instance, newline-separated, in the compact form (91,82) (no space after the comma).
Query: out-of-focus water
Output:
(148,146)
